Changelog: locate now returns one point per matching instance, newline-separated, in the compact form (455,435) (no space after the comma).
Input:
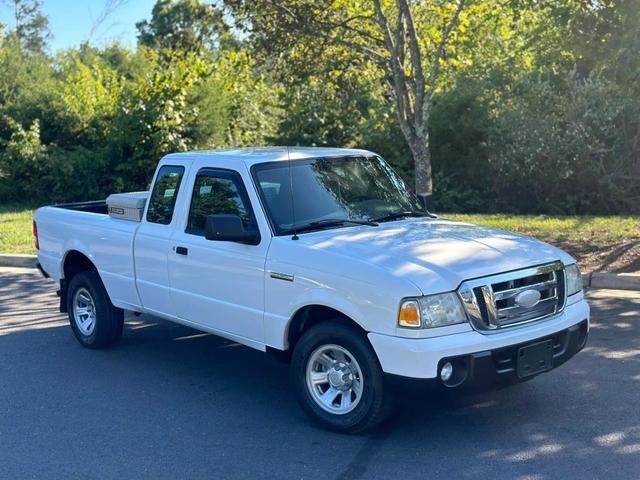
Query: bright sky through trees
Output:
(100,21)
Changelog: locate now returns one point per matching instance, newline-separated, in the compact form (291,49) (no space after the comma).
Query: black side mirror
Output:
(229,228)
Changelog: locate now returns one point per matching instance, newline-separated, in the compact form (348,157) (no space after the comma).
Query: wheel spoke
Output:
(346,399)
(326,360)
(84,298)
(341,357)
(357,387)
(330,395)
(319,378)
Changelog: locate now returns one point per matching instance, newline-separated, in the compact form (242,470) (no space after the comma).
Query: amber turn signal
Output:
(409,314)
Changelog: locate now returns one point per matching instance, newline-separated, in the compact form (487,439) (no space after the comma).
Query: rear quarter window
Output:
(164,194)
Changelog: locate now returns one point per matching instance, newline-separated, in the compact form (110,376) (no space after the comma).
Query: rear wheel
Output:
(338,378)
(95,322)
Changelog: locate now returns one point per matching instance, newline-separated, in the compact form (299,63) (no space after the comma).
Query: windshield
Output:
(337,188)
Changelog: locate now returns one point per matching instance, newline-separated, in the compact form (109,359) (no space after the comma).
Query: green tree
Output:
(27,90)
(90,98)
(31,25)
(182,25)
(563,146)
(411,43)
(332,99)
(22,160)
(154,117)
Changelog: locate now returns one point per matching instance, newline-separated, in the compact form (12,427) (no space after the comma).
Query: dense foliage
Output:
(538,108)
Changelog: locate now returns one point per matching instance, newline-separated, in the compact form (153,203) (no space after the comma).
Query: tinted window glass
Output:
(217,192)
(164,194)
(356,188)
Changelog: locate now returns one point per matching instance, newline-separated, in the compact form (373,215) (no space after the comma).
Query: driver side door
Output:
(219,285)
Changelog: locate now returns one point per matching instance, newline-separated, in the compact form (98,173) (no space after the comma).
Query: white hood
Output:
(435,254)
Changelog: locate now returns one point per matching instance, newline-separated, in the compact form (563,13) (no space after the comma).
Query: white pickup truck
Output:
(325,258)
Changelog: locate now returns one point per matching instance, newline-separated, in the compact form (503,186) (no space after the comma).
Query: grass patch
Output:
(595,230)
(15,229)
(580,235)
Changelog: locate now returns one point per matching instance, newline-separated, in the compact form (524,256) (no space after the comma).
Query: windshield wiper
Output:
(401,214)
(328,223)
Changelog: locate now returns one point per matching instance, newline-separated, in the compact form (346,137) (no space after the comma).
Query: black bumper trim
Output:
(498,366)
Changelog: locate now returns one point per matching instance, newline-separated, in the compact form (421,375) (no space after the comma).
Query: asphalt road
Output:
(168,402)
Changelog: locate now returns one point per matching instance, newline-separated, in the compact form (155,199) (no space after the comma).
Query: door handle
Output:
(182,251)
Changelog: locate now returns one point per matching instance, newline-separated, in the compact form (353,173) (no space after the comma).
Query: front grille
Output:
(514,298)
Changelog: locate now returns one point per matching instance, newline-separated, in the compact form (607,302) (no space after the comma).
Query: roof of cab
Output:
(251,156)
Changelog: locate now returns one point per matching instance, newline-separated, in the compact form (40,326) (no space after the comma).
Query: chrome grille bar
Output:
(508,311)
(492,302)
(511,293)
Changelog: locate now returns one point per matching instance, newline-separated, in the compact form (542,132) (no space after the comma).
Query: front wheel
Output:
(338,378)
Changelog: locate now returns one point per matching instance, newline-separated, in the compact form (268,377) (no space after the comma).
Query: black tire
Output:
(375,402)
(109,320)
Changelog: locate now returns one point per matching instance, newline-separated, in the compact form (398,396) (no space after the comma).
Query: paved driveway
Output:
(168,402)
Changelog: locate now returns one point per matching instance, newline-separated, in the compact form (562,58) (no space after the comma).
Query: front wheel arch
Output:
(310,315)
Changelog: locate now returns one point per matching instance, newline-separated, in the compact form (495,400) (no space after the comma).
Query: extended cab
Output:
(324,257)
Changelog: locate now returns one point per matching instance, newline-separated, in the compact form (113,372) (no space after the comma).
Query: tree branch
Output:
(397,73)
(109,9)
(304,28)
(400,37)
(435,69)
(416,63)
(345,25)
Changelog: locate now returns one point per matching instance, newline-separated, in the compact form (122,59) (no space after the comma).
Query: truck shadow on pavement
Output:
(171,402)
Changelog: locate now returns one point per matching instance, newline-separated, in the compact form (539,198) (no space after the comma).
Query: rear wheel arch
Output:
(74,262)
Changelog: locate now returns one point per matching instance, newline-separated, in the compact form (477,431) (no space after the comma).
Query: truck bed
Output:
(95,206)
(87,228)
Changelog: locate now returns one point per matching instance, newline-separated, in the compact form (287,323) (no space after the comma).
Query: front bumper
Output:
(485,355)
(494,367)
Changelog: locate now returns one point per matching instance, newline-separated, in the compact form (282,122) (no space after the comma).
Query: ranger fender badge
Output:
(281,276)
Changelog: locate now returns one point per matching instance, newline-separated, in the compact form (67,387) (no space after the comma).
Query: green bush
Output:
(561,148)
(459,126)
(110,117)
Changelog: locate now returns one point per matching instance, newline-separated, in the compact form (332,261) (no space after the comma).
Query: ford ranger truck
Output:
(325,258)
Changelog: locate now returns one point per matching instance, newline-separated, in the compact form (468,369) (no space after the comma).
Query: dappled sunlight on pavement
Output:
(27,302)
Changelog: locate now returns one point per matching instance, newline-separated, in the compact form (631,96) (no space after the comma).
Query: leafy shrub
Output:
(560,150)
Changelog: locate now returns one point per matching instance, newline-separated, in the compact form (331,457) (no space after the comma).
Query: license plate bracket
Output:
(535,358)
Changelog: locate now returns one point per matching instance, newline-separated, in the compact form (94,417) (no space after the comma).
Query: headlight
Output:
(431,311)
(574,279)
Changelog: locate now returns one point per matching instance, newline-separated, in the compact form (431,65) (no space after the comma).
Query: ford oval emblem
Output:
(528,298)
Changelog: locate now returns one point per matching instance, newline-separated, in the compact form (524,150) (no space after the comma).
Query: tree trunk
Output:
(422,163)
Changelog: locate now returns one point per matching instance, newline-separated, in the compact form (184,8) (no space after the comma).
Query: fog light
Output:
(446,371)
